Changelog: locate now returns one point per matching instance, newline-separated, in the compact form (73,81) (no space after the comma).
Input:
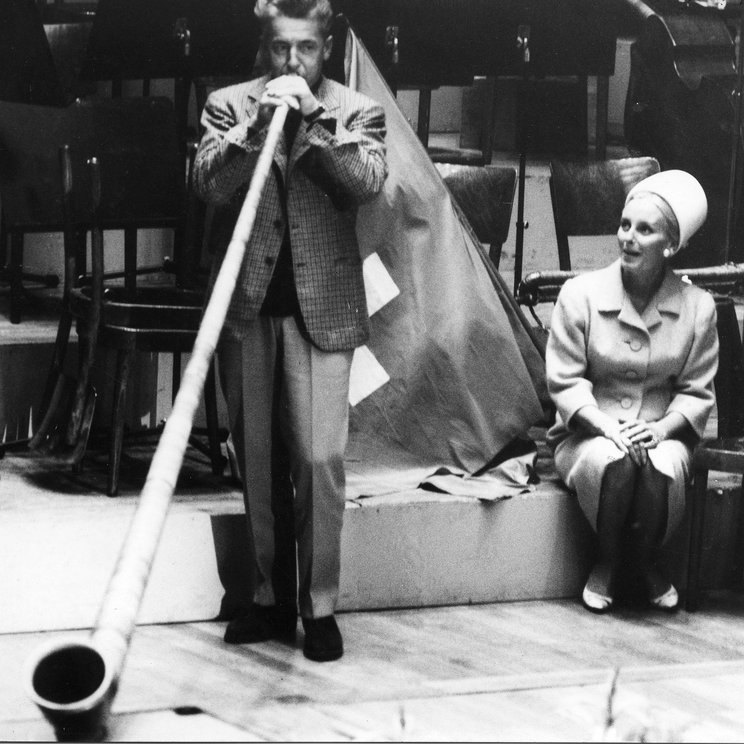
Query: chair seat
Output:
(457,157)
(170,340)
(145,309)
(725,454)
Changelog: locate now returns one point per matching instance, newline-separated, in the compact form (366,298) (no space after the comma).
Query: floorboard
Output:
(521,671)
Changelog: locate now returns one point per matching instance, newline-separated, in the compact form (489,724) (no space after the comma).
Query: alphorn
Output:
(74,682)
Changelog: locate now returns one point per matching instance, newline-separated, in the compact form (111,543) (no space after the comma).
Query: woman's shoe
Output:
(594,602)
(666,602)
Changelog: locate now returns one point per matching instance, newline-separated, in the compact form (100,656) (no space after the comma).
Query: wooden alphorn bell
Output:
(74,682)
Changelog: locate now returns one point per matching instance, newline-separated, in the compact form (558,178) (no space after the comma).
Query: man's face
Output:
(296,47)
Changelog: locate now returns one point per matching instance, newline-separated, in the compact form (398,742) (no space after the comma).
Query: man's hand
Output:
(290,89)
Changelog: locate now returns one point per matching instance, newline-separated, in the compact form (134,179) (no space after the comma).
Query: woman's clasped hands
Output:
(635,438)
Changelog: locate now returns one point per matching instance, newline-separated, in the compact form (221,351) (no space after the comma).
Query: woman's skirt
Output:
(582,460)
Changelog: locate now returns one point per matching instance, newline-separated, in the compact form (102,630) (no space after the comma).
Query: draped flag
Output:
(451,376)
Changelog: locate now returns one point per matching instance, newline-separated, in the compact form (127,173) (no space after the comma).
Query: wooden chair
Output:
(137,141)
(485,195)
(114,316)
(588,197)
(725,453)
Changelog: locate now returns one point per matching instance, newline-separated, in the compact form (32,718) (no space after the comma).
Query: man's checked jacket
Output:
(337,162)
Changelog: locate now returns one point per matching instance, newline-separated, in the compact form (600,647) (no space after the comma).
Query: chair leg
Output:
(494,253)
(175,375)
(736,575)
(58,360)
(424,112)
(603,97)
(123,365)
(488,92)
(694,559)
(564,253)
(130,259)
(213,434)
(15,271)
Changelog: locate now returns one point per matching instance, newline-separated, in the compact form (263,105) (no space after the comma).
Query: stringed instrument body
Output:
(680,109)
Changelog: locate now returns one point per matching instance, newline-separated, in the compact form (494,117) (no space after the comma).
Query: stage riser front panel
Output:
(416,553)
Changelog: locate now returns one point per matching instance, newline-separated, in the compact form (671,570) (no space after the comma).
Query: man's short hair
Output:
(317,10)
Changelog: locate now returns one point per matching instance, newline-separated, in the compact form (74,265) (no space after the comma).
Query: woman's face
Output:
(642,237)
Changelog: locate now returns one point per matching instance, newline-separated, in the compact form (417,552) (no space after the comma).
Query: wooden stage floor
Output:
(520,671)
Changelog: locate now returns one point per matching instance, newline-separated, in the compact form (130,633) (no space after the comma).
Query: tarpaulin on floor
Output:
(451,376)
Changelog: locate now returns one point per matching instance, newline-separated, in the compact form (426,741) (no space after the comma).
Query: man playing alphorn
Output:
(299,308)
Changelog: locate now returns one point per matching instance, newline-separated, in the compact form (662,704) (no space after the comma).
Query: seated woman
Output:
(630,363)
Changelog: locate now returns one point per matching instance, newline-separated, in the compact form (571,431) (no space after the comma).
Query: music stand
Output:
(179,39)
(413,52)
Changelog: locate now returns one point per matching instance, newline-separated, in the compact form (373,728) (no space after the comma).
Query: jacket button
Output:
(269,260)
(626,402)
(631,374)
(636,345)
(278,224)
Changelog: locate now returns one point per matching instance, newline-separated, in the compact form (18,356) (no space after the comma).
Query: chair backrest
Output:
(136,140)
(485,194)
(83,184)
(588,197)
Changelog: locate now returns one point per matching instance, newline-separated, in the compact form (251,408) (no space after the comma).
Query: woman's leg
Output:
(615,500)
(648,526)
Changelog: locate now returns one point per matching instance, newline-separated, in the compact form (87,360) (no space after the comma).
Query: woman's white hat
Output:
(684,195)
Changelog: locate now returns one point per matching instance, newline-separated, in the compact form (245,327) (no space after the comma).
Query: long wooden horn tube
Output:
(74,682)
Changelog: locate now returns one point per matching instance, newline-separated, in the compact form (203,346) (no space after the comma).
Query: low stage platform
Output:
(60,537)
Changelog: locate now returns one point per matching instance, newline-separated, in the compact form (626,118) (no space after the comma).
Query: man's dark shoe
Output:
(263,624)
(323,640)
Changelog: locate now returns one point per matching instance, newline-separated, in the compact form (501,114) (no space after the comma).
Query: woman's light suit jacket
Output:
(602,352)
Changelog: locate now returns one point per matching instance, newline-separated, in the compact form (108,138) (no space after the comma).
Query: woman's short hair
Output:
(317,10)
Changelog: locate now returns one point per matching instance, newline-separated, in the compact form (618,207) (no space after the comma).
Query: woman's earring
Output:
(667,253)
